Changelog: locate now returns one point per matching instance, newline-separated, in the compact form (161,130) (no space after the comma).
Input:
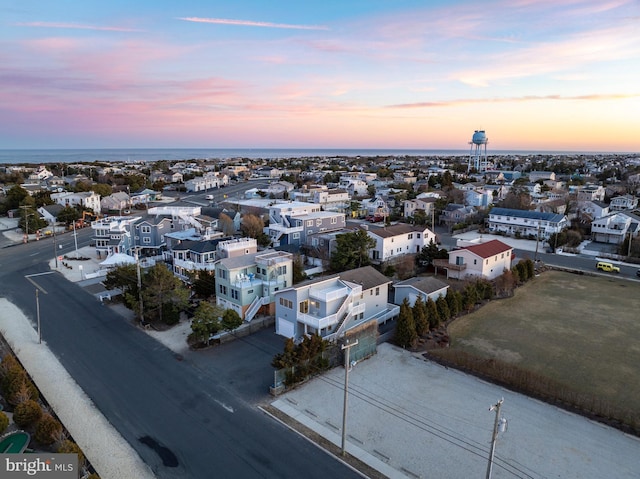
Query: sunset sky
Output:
(423,74)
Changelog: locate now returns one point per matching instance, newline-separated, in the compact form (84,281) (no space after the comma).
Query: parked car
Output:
(208,197)
(638,272)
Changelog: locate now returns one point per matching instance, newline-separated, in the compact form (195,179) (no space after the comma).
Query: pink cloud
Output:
(249,23)
(75,26)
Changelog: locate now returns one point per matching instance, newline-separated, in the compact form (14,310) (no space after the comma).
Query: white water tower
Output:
(478,151)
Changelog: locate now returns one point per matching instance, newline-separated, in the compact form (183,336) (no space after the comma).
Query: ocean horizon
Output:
(134,155)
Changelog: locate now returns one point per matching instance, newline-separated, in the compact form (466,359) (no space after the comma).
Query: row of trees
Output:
(23,396)
(417,320)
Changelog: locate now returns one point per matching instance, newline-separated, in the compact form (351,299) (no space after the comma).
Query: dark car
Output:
(638,272)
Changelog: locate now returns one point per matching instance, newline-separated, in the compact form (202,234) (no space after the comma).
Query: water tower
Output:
(478,151)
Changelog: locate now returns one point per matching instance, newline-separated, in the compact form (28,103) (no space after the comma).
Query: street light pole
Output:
(347,366)
(139,287)
(38,316)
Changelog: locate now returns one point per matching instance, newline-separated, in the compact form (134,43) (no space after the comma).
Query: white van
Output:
(208,197)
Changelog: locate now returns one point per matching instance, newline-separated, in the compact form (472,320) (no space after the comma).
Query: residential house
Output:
(426,287)
(376,207)
(398,240)
(478,197)
(114,235)
(334,199)
(115,203)
(282,227)
(541,175)
(486,260)
(525,223)
(592,210)
(614,228)
(426,205)
(455,213)
(149,235)
(330,306)
(50,213)
(248,283)
(590,193)
(304,225)
(87,199)
(623,202)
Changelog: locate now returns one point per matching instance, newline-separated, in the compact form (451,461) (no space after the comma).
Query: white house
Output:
(525,223)
(614,228)
(88,199)
(331,306)
(398,240)
(623,202)
(487,260)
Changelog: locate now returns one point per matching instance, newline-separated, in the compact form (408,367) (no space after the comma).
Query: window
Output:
(475,261)
(318,222)
(223,289)
(410,236)
(310,223)
(296,235)
(304,306)
(282,269)
(234,293)
(222,273)
(334,220)
(378,291)
(146,240)
(146,229)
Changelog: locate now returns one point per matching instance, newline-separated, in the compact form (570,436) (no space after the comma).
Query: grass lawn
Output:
(583,331)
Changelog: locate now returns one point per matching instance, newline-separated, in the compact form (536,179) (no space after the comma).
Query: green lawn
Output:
(583,331)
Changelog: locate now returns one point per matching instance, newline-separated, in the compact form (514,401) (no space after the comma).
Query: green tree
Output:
(352,250)
(420,316)
(206,321)
(102,189)
(203,283)
(432,314)
(454,300)
(298,270)
(469,297)
(27,413)
(230,320)
(68,215)
(406,334)
(163,294)
(47,429)
(443,309)
(15,196)
(124,278)
(287,358)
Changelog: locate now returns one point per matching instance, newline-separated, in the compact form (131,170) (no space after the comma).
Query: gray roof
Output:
(367,276)
(426,284)
(535,215)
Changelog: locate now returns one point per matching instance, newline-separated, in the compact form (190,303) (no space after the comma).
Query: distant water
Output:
(113,155)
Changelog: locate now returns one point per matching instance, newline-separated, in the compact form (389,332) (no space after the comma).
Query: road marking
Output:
(34,254)
(228,408)
(29,276)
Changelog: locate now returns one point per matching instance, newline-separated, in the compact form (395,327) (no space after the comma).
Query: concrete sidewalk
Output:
(408,417)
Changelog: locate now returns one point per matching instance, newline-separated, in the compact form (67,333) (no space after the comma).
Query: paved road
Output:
(191,418)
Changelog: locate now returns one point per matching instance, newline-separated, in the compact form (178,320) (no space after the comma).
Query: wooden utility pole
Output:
(347,366)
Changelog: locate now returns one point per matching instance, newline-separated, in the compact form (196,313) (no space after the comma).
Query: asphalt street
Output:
(185,418)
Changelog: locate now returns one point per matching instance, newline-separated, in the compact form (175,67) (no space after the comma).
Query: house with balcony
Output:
(191,256)
(86,199)
(590,193)
(115,203)
(284,228)
(525,223)
(304,226)
(615,227)
(187,217)
(484,260)
(331,306)
(248,283)
(114,234)
(623,202)
(398,240)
